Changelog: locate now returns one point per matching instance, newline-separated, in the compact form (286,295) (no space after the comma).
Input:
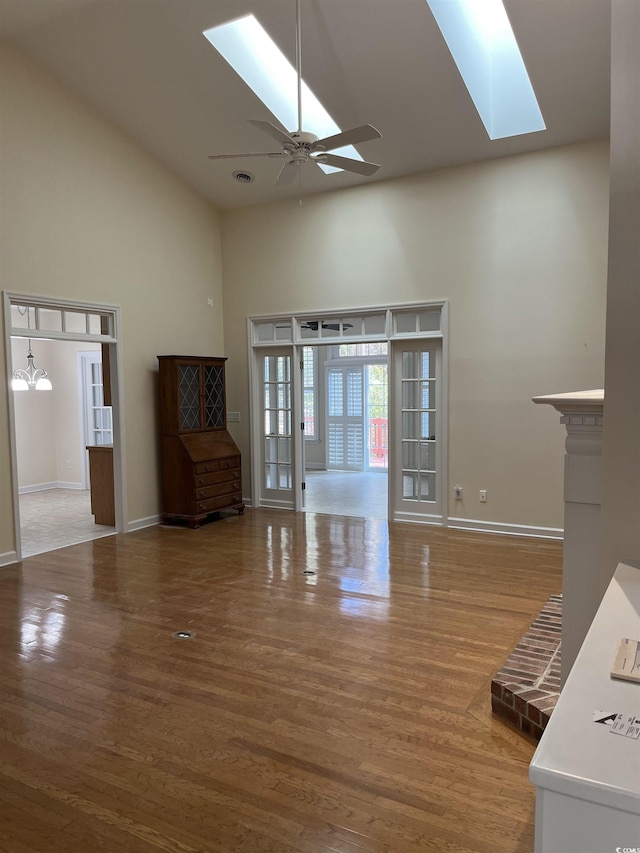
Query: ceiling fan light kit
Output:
(301,146)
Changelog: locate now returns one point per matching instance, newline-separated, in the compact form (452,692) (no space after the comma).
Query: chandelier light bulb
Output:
(24,379)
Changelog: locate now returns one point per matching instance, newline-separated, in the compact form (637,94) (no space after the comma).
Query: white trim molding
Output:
(9,558)
(506,529)
(141,523)
(45,487)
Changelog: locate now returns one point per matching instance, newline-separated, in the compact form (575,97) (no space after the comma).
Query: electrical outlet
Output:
(210,301)
(68,464)
(483,496)
(457,491)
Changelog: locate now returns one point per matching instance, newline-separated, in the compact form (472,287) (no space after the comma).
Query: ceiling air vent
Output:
(244,177)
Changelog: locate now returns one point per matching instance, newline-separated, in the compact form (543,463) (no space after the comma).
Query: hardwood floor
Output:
(345,710)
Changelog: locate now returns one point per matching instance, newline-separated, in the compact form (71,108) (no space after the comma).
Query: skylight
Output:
(255,57)
(479,35)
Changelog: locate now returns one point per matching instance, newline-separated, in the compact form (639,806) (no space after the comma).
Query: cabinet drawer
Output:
(204,480)
(230,487)
(212,504)
(230,462)
(212,465)
(207,467)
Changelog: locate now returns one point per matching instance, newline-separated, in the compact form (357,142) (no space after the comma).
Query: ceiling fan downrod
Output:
(299,63)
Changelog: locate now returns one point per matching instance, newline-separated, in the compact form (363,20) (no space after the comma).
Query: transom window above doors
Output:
(37,318)
(422,320)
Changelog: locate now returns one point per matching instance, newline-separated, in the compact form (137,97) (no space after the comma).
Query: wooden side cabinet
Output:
(201,466)
(101,483)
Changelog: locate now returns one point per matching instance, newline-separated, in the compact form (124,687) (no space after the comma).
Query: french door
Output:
(418,457)
(276,442)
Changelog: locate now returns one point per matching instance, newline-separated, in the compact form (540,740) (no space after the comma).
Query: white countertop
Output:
(577,756)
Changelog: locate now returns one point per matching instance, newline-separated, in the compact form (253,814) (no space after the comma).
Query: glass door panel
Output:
(99,416)
(277,438)
(189,396)
(213,396)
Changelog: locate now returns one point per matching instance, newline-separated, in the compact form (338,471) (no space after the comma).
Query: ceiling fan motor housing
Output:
(303,137)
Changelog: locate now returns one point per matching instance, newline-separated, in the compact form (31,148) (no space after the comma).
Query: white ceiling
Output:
(146,66)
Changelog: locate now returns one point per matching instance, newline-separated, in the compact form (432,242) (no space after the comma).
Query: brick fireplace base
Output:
(525,690)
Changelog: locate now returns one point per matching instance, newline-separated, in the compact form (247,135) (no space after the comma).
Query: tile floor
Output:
(55,518)
(353,493)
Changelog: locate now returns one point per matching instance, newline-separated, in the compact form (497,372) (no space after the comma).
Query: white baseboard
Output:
(44,487)
(38,487)
(506,529)
(8,558)
(273,505)
(418,518)
(141,523)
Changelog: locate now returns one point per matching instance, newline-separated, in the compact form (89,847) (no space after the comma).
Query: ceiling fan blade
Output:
(249,154)
(364,133)
(275,132)
(360,167)
(288,173)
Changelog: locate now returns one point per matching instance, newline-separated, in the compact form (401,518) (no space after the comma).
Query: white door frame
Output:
(417,322)
(111,338)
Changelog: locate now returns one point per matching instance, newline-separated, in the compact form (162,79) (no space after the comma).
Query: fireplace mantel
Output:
(582,415)
(575,401)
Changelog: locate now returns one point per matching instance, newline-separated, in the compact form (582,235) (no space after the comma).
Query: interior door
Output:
(276,450)
(418,440)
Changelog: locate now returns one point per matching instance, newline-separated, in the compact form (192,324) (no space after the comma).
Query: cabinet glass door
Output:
(190,416)
(213,396)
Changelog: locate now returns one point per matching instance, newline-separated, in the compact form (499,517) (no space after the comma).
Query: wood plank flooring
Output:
(335,696)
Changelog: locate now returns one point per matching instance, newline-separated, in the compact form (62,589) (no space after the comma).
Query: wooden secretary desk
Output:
(201,472)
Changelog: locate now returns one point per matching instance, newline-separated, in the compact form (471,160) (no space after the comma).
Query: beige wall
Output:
(50,444)
(87,215)
(34,421)
(518,246)
(67,401)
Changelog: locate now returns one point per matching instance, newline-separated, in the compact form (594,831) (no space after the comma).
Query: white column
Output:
(581,593)
(621,451)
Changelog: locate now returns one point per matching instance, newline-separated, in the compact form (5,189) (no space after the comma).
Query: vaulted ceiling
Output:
(145,65)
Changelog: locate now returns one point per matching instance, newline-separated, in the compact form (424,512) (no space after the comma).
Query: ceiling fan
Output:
(300,146)
(312,326)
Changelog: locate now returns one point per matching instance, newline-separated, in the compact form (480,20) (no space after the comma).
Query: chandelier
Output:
(24,379)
